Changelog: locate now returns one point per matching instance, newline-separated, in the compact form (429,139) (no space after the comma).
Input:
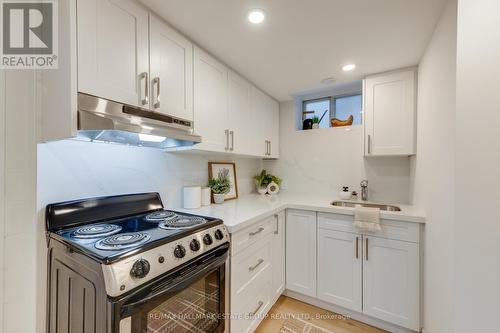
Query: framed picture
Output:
(213,171)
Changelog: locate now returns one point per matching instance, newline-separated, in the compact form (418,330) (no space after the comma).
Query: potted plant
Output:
(315,122)
(220,185)
(267,183)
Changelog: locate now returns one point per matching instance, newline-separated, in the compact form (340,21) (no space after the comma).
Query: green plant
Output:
(221,184)
(315,120)
(263,179)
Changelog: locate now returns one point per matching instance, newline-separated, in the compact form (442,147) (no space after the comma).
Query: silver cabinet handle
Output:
(366,250)
(259,262)
(232,140)
(256,232)
(156,81)
(144,76)
(266,149)
(270,148)
(357,247)
(369,144)
(253,313)
(226,132)
(277,224)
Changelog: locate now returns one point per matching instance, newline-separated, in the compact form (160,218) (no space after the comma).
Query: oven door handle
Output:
(186,277)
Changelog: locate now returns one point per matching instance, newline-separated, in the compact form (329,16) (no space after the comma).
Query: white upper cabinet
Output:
(266,122)
(301,252)
(210,102)
(113,59)
(389,113)
(171,71)
(391,281)
(240,117)
(340,268)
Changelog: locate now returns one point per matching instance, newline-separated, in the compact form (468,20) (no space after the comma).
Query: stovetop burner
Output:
(182,222)
(96,231)
(122,241)
(160,216)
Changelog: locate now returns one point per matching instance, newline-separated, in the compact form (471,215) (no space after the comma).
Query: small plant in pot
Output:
(265,181)
(220,186)
(315,122)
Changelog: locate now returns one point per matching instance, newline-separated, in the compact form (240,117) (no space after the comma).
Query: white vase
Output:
(315,125)
(219,198)
(262,190)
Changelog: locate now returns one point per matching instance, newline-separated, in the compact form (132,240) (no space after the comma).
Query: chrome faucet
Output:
(364,190)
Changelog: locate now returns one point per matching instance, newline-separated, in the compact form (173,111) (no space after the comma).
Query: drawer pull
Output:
(253,313)
(256,232)
(252,268)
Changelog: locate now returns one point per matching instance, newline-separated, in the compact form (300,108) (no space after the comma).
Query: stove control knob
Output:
(194,245)
(218,234)
(140,269)
(207,239)
(179,251)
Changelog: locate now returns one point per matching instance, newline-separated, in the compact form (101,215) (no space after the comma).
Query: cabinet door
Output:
(340,268)
(274,135)
(210,102)
(278,256)
(171,71)
(262,122)
(113,59)
(240,120)
(391,289)
(390,102)
(301,252)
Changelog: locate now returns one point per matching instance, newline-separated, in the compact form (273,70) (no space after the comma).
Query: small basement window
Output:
(346,106)
(317,108)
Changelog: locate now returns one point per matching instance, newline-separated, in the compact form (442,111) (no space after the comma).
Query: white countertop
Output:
(248,209)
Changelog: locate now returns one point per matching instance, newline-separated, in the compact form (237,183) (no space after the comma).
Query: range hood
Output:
(107,121)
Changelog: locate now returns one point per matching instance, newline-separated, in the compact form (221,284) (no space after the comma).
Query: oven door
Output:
(190,299)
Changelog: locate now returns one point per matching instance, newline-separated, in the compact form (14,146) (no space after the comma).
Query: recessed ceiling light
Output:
(256,16)
(349,67)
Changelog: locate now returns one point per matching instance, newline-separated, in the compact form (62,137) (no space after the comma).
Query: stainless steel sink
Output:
(351,204)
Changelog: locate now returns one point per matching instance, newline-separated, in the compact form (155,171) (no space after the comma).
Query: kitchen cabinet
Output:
(113,50)
(340,268)
(210,102)
(301,252)
(266,123)
(278,256)
(390,113)
(391,278)
(240,116)
(171,71)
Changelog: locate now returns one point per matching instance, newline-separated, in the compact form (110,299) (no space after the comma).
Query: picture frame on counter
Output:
(213,171)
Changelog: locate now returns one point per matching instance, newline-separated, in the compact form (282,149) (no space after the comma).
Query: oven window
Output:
(196,309)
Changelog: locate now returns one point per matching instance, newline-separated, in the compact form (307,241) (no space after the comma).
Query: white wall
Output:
(320,162)
(18,182)
(477,231)
(433,169)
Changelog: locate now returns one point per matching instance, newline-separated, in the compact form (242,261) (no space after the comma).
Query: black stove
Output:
(133,259)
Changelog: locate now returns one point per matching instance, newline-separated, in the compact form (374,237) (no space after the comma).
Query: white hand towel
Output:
(366,218)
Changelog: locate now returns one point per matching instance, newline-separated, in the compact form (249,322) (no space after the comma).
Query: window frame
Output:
(333,108)
(330,102)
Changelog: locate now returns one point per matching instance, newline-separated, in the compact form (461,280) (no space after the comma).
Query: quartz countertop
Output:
(248,209)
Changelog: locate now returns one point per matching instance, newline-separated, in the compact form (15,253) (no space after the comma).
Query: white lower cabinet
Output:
(301,252)
(391,281)
(340,265)
(257,271)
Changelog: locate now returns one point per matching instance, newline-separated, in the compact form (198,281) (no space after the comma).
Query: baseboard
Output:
(349,313)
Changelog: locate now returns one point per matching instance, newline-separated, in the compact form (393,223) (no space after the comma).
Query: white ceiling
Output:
(303,41)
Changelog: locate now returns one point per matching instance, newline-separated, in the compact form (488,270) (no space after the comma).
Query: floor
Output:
(329,320)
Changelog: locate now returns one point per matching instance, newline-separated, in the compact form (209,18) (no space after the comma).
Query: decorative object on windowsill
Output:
(227,170)
(315,124)
(338,123)
(345,194)
(307,124)
(220,186)
(267,183)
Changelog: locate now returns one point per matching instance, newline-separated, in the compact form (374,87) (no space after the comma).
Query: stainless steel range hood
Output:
(107,121)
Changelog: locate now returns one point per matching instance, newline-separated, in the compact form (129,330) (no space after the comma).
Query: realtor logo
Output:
(29,34)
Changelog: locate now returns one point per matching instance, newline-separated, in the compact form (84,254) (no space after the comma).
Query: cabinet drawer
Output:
(252,234)
(249,263)
(398,230)
(247,313)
